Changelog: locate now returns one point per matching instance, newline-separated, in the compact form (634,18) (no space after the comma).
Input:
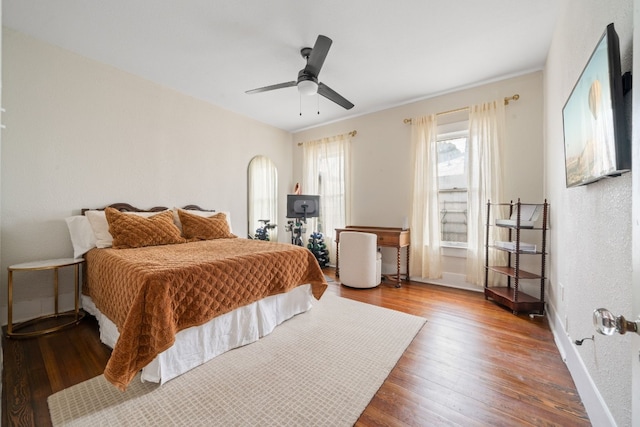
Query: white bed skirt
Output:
(197,345)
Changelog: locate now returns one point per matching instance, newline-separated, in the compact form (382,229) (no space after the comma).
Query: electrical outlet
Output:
(561,286)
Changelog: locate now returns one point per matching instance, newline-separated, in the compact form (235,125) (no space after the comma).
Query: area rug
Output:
(319,368)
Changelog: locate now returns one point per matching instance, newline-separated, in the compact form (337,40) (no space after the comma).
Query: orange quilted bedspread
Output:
(151,293)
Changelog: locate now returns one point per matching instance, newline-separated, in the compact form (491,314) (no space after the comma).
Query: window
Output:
(326,172)
(332,195)
(262,194)
(452,183)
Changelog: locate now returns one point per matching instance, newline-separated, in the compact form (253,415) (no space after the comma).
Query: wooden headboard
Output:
(126,207)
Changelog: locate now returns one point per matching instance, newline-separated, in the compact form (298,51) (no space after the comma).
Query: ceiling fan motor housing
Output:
(302,76)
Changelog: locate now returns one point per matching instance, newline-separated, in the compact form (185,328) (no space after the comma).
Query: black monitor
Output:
(303,206)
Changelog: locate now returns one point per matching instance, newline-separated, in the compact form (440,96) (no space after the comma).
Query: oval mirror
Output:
(262,199)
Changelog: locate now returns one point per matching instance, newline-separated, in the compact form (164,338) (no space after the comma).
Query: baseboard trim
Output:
(594,404)
(451,280)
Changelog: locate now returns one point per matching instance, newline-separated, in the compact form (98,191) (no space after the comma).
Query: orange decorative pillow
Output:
(133,231)
(195,227)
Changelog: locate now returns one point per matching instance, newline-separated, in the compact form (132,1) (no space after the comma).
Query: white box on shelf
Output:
(528,216)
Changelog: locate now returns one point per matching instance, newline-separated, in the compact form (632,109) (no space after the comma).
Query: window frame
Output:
(445,132)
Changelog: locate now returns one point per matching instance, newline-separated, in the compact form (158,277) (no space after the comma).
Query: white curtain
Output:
(326,171)
(263,194)
(486,137)
(425,215)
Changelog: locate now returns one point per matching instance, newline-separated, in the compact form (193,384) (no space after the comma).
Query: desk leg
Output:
(77,284)
(398,277)
(337,260)
(10,304)
(408,252)
(55,287)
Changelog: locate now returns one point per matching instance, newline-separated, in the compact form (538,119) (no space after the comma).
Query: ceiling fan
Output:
(307,82)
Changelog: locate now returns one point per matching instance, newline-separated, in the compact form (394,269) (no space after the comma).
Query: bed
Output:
(174,288)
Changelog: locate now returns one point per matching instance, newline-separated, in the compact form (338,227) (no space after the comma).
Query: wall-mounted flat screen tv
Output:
(596,141)
(303,206)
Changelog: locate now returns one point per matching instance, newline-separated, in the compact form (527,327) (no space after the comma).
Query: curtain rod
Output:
(457,110)
(351,134)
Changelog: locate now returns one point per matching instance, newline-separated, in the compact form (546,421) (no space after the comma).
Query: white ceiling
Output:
(384,53)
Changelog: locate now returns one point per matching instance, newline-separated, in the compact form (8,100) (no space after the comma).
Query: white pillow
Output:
(204,214)
(82,237)
(100,226)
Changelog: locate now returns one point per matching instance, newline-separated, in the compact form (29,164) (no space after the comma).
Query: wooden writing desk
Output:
(387,236)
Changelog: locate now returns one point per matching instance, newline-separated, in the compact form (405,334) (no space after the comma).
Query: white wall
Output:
(590,237)
(82,134)
(1,351)
(381,154)
(635,190)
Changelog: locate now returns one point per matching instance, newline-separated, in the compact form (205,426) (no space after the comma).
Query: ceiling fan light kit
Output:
(307,87)
(307,81)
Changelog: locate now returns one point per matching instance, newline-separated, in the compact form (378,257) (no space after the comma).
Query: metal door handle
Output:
(608,324)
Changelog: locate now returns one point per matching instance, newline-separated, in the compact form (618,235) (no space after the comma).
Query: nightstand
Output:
(51,264)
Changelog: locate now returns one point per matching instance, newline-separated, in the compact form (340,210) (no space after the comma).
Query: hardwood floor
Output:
(472,364)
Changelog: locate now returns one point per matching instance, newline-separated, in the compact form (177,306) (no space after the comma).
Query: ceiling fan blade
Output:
(318,55)
(334,96)
(272,87)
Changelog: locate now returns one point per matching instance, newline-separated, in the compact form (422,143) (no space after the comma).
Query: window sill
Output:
(456,251)
(458,245)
